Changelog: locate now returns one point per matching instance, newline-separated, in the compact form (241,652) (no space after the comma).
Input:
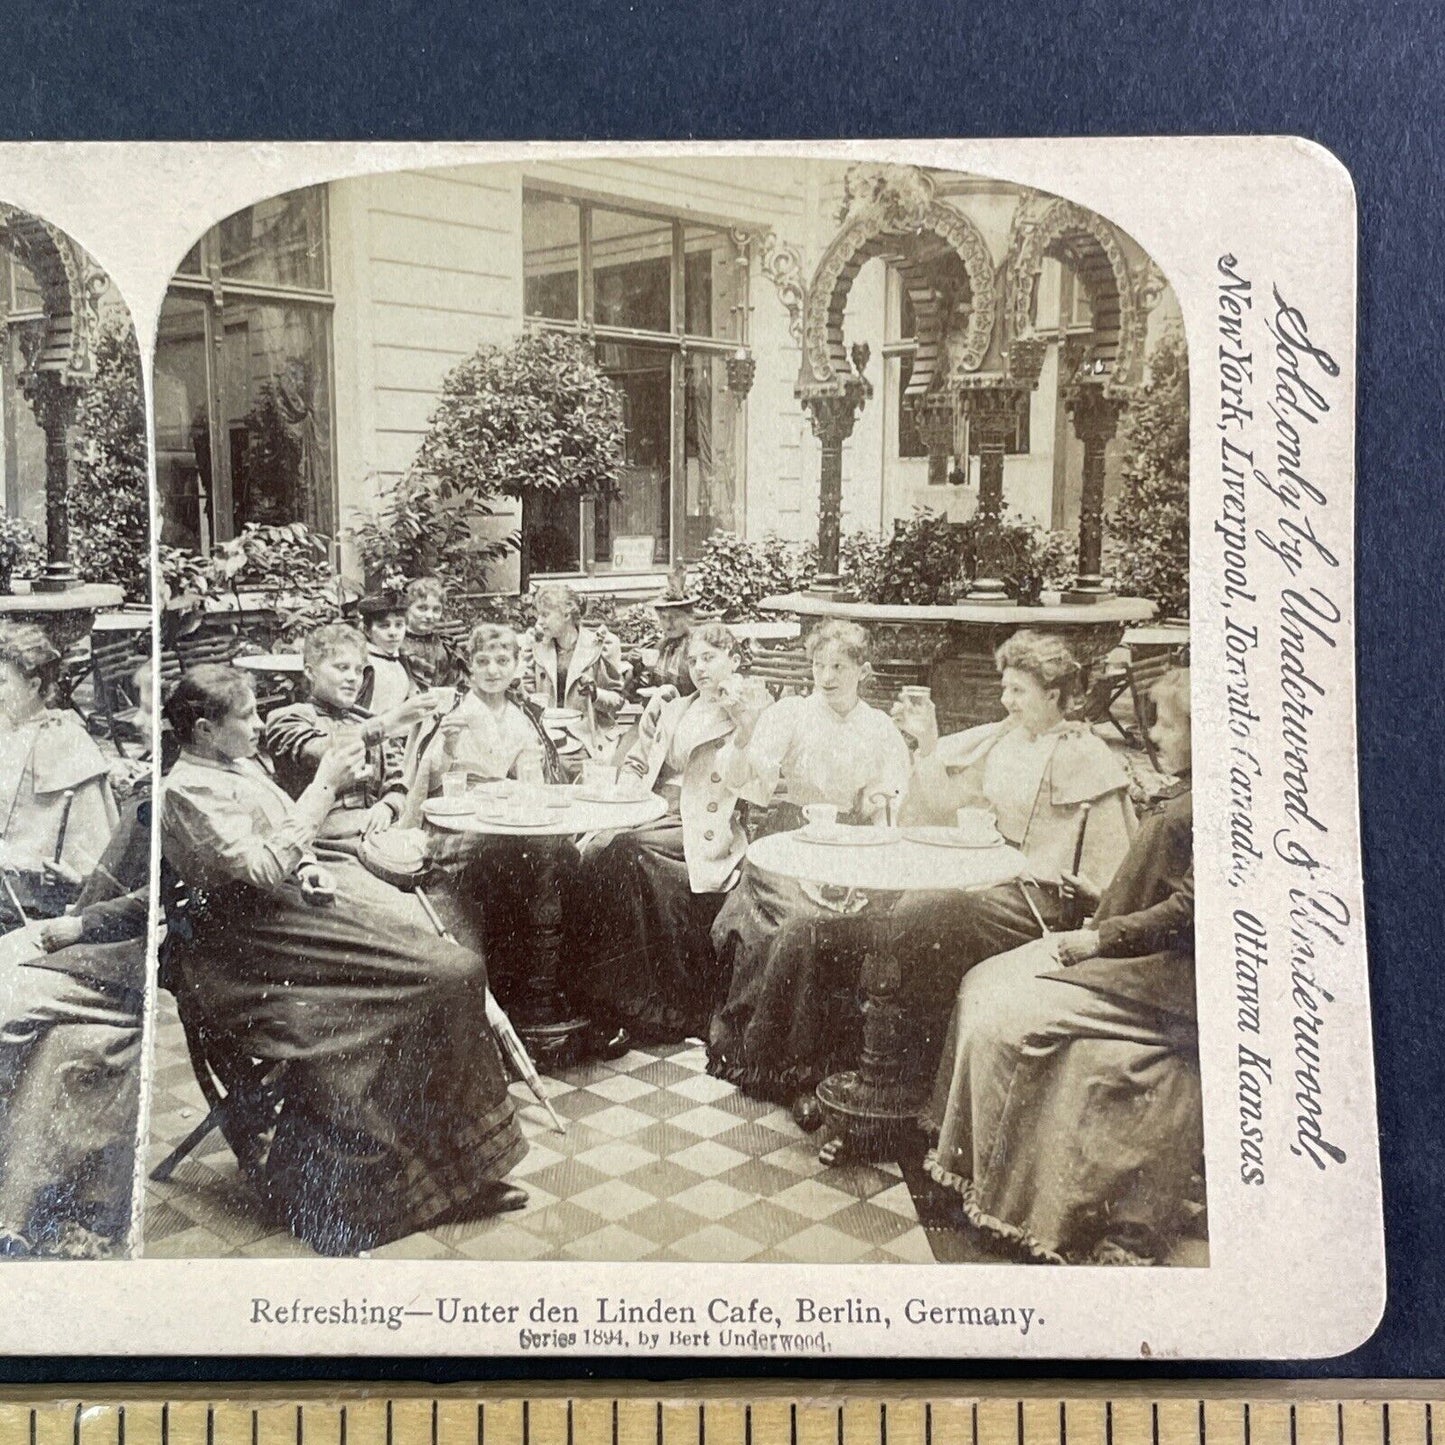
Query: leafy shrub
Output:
(289,564)
(930,561)
(1148,526)
(424,528)
(536,415)
(109,498)
(21,554)
(733,576)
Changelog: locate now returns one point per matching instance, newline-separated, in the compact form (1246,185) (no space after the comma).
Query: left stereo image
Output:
(76,741)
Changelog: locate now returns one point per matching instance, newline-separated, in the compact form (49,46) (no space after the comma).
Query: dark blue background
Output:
(1364,79)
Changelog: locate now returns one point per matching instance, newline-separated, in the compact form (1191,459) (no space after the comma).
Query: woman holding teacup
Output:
(395,1114)
(651,893)
(1071,1101)
(1035,779)
(825,757)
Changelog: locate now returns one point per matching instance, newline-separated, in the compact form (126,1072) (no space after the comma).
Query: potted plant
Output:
(537,416)
(20,552)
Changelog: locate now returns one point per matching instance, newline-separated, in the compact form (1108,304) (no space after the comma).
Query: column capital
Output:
(1095,415)
(833,416)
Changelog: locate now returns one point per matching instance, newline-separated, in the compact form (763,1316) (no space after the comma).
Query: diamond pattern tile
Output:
(660,1161)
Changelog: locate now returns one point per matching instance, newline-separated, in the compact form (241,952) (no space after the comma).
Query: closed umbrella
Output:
(507,1035)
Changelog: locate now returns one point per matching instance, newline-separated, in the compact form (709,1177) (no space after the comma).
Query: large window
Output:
(660,301)
(243,376)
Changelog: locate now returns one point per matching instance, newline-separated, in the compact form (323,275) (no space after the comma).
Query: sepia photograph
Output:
(75,748)
(677,724)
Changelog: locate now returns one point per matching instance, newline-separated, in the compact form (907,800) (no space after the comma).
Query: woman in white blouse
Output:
(396,1116)
(649,895)
(1052,787)
(778,1033)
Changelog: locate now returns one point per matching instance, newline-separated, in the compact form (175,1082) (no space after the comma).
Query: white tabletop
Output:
(897,866)
(576,818)
(270,662)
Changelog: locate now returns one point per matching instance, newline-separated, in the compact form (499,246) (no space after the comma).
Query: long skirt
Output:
(792,1014)
(643,953)
(394,1113)
(70,1053)
(1072,1119)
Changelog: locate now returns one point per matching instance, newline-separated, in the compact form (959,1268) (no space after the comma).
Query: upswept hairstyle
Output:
(325,642)
(1046,658)
(27,649)
(484,634)
(851,637)
(212,691)
(425,587)
(720,636)
(558,594)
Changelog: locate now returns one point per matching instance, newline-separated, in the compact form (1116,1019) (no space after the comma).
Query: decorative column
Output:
(1096,420)
(833,416)
(53,402)
(993,413)
(935,417)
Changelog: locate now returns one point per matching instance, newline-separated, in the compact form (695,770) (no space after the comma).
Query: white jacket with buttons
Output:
(713,839)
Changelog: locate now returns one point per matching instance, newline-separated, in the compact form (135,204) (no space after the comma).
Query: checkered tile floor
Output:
(660,1161)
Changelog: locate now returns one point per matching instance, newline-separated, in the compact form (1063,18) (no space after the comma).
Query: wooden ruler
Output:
(1245,1413)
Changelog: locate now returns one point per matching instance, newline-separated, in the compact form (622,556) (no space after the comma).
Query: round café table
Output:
(546,1020)
(867,1109)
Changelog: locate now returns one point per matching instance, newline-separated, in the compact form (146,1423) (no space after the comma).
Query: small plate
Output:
(611,795)
(537,818)
(449,807)
(941,837)
(558,717)
(846,835)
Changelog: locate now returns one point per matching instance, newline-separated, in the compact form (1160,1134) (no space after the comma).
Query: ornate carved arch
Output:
(889,209)
(71,286)
(1090,247)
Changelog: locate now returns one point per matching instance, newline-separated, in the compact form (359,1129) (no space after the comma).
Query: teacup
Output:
(455,783)
(821,816)
(977,826)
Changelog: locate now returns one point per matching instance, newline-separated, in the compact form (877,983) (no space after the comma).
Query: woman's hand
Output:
(343,764)
(405,715)
(1077,947)
(378,818)
(918,719)
(61,932)
(318,887)
(56,871)
(1080,888)
(744,702)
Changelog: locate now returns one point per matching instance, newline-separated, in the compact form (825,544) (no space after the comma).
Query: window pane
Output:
(552,532)
(277,242)
(632,270)
(183,442)
(549,257)
(710,454)
(276,413)
(910,442)
(25,294)
(713,282)
(643,374)
(191,262)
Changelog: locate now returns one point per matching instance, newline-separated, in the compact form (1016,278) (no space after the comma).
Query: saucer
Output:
(940,837)
(845,835)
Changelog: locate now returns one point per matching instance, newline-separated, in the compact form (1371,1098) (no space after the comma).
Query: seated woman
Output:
(71,1020)
(58,810)
(572,665)
(1071,1103)
(1044,779)
(778,1033)
(651,893)
(396,1116)
(297,736)
(490,734)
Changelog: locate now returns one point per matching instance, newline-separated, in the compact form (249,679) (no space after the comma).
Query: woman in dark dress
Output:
(395,1116)
(649,895)
(1071,1104)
